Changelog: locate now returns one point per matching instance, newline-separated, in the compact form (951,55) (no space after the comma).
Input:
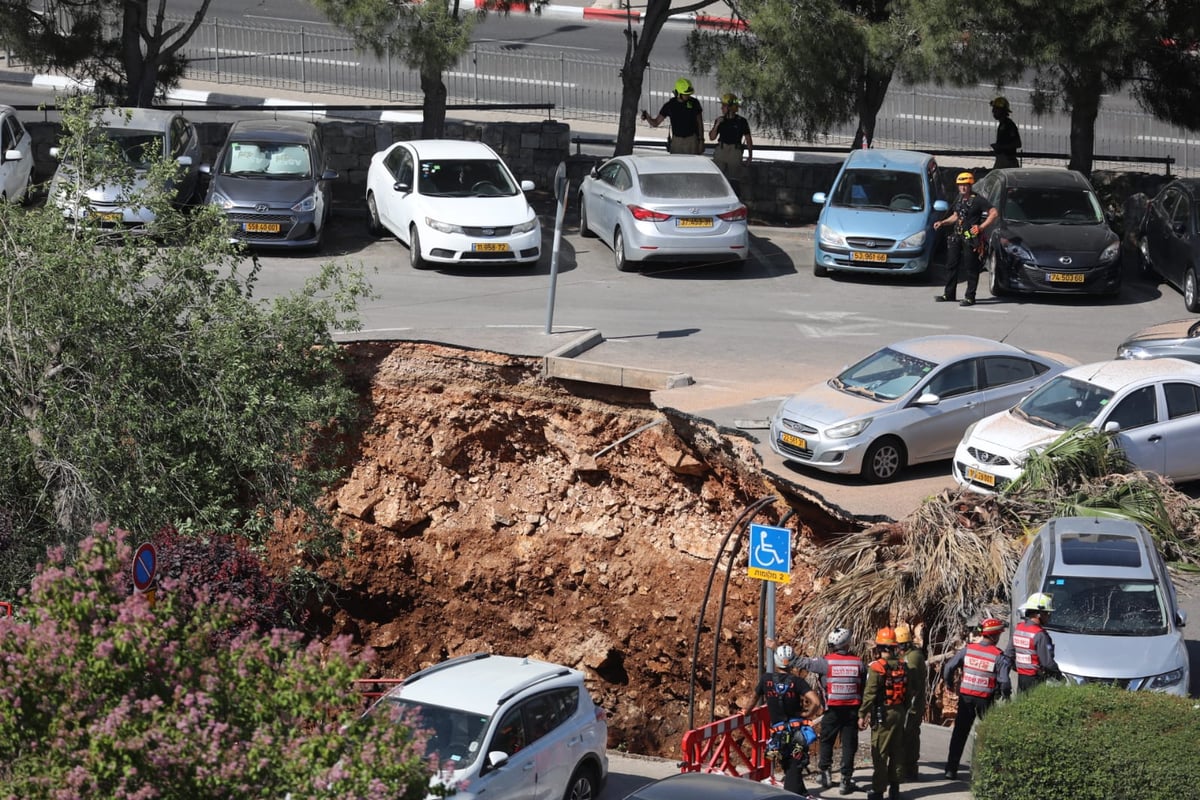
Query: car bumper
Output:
(898,262)
(804,445)
(1024,277)
(281,228)
(972,472)
(647,242)
(458,248)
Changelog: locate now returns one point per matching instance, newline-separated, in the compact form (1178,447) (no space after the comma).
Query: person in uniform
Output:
(1008,138)
(971,218)
(732,133)
(687,119)
(984,676)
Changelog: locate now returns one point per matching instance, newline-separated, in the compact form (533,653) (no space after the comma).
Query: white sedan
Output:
(16,157)
(452,202)
(657,208)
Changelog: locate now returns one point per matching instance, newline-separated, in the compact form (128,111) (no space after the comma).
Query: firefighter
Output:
(885,699)
(918,686)
(1031,650)
(791,702)
(842,676)
(984,675)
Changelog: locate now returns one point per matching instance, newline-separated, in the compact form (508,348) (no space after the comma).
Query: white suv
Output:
(505,727)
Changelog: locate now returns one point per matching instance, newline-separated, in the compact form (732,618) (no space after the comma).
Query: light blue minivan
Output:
(879,216)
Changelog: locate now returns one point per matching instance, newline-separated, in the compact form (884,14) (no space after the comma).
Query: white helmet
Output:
(839,638)
(784,655)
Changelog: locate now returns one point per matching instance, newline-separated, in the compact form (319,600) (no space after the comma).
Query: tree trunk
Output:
(873,87)
(1084,97)
(433,104)
(141,75)
(638,44)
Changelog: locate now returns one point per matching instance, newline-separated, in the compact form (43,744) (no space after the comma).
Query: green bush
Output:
(1091,742)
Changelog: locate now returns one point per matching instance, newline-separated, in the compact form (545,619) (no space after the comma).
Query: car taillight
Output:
(601,714)
(735,215)
(646,215)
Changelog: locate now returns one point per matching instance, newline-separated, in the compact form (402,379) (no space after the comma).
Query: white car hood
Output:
(479,211)
(1007,434)
(824,405)
(1091,656)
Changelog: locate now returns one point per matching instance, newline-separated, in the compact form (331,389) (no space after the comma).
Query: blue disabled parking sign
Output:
(770,553)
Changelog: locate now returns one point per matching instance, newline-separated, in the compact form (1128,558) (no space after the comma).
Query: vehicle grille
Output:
(806,431)
(284,221)
(487,232)
(865,243)
(795,451)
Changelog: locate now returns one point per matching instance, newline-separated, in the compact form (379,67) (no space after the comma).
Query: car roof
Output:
(1045,178)
(909,160)
(650,165)
(450,148)
(479,682)
(7,109)
(943,347)
(1118,373)
(281,130)
(706,786)
(139,119)
(1100,548)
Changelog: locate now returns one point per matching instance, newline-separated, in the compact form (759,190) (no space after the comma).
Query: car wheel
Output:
(374,226)
(1191,290)
(819,270)
(994,285)
(884,460)
(415,259)
(584,230)
(583,785)
(623,264)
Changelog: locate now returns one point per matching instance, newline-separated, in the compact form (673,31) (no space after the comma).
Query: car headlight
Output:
(525,227)
(221,201)
(848,429)
(1133,352)
(1165,680)
(830,237)
(1016,250)
(1110,253)
(916,240)
(443,227)
(307,204)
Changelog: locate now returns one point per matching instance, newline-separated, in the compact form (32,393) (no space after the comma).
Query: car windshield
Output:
(884,375)
(139,148)
(1107,606)
(269,159)
(455,736)
(683,185)
(1052,206)
(481,177)
(880,188)
(1063,403)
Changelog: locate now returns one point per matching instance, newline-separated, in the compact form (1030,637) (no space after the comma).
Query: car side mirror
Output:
(401,186)
(927,399)
(595,172)
(1179,228)
(819,198)
(12,155)
(1112,427)
(941,205)
(1180,617)
(55,152)
(204,169)
(527,186)
(184,161)
(329,175)
(496,759)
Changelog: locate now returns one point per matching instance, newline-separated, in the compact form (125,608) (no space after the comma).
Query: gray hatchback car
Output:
(1115,618)
(273,181)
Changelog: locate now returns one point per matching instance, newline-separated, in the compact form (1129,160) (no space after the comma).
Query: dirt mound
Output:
(489,509)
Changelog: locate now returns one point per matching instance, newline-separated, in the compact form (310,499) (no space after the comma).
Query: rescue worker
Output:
(885,698)
(971,218)
(732,132)
(918,690)
(1031,650)
(790,701)
(842,676)
(687,119)
(984,675)
(1008,138)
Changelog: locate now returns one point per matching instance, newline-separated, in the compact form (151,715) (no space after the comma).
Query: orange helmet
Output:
(964,179)
(991,627)
(885,636)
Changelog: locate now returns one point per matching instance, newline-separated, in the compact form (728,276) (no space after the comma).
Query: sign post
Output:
(145,567)
(771,561)
(560,193)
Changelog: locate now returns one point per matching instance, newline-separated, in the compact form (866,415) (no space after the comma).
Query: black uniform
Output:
(784,694)
(961,252)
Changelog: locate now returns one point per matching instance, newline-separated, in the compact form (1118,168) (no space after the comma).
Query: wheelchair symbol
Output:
(765,548)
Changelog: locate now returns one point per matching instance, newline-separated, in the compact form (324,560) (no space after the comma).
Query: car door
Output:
(1007,379)
(612,184)
(1181,430)
(933,431)
(1177,245)
(398,168)
(1159,234)
(185,146)
(557,745)
(516,778)
(14,172)
(1140,435)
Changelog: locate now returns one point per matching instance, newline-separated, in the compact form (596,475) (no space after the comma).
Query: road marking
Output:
(288,19)
(280,57)
(1164,139)
(506,79)
(832,324)
(960,121)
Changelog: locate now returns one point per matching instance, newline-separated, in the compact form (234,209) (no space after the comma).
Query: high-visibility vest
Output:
(1024,638)
(979,670)
(894,682)
(843,680)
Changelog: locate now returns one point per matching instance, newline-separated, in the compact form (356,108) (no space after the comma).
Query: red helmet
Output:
(991,627)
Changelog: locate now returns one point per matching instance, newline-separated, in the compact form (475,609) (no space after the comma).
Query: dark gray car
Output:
(273,180)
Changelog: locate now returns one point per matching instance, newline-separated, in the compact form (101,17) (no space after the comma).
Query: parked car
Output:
(1165,236)
(1176,339)
(272,179)
(509,727)
(452,202)
(1116,617)
(1052,235)
(663,208)
(139,135)
(708,786)
(907,403)
(16,157)
(879,215)
(1150,407)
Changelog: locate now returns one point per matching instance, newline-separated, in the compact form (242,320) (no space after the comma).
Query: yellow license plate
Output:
(261,227)
(986,478)
(794,441)
(694,222)
(1065,277)
(490,247)
(107,216)
(877,257)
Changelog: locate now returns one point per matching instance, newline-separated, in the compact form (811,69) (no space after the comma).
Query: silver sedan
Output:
(905,404)
(662,208)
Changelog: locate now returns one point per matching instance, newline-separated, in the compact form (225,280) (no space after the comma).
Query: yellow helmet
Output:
(964,179)
(1001,103)
(684,87)
(1038,601)
(730,99)
(903,633)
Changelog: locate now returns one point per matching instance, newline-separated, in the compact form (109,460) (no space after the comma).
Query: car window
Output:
(510,733)
(1139,407)
(454,735)
(1183,399)
(988,187)
(955,379)
(289,161)
(180,137)
(547,711)
(883,375)
(8,134)
(392,161)
(1109,606)
(1063,403)
(684,185)
(1003,370)
(138,147)
(465,177)
(1166,204)
(608,173)
(880,188)
(1181,214)
(1052,205)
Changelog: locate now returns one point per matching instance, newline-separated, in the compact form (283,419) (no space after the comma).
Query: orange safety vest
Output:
(979,670)
(895,681)
(843,680)
(1024,640)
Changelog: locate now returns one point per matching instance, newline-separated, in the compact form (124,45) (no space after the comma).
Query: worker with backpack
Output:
(885,702)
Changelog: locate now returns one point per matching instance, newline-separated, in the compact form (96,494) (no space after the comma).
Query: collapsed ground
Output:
(487,509)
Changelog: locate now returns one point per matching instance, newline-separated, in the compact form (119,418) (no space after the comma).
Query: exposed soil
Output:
(490,509)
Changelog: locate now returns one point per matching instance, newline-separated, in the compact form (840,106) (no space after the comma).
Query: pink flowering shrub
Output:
(104,695)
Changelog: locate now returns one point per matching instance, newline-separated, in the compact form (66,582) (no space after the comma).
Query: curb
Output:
(624,15)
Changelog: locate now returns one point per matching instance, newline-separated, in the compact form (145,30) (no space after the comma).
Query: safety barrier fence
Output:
(732,746)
